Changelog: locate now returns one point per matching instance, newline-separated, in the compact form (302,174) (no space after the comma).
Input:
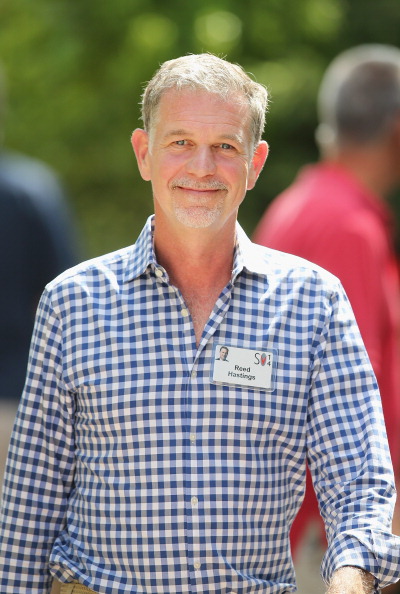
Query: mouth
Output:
(198,188)
(203,197)
(200,197)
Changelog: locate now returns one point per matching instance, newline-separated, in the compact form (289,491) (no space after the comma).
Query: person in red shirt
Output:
(335,214)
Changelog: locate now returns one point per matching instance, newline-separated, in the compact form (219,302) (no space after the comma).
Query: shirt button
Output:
(197,564)
(193,375)
(184,312)
(192,438)
(194,501)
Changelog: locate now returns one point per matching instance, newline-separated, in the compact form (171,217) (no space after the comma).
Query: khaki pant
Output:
(71,588)
(8,410)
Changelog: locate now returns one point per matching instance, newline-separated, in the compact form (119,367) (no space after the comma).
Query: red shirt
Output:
(326,216)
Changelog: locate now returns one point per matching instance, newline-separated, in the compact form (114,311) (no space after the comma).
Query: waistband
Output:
(75,588)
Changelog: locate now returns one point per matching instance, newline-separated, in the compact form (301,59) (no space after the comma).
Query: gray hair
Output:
(359,97)
(213,75)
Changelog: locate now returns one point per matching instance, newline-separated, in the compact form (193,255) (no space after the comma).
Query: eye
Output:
(180,142)
(226,146)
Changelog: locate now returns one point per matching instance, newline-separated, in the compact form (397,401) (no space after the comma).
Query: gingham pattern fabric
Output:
(131,471)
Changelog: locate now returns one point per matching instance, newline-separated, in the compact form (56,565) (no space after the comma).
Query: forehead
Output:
(199,108)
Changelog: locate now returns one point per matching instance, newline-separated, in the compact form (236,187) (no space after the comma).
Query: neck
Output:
(195,257)
(372,165)
(199,264)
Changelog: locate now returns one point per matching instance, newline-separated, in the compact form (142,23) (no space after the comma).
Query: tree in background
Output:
(76,70)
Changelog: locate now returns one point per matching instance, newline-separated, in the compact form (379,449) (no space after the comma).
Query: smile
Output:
(198,187)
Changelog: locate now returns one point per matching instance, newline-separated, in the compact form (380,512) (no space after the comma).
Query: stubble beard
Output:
(198,217)
(197,212)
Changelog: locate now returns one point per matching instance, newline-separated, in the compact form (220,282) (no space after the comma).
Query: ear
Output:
(140,144)
(396,132)
(257,163)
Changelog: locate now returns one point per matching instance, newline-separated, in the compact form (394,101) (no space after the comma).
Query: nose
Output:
(201,162)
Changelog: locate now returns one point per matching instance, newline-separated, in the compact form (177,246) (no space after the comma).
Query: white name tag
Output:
(243,367)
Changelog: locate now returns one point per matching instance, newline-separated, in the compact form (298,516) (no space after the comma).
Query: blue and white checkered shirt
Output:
(131,470)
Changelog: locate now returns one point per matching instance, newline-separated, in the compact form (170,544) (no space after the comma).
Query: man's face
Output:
(223,353)
(200,159)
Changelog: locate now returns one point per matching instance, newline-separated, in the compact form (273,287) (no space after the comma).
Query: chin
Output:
(200,219)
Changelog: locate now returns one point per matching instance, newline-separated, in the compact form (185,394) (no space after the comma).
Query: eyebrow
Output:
(177,132)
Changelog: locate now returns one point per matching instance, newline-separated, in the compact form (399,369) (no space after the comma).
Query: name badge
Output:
(243,367)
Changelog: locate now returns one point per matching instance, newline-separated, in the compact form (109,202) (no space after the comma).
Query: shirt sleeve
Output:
(40,465)
(348,452)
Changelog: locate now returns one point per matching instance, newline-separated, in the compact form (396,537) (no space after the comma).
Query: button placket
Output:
(196,498)
(196,550)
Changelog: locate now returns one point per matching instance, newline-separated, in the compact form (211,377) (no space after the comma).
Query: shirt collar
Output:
(247,255)
(142,255)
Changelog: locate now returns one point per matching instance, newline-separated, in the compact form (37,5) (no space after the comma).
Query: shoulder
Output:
(29,174)
(92,278)
(275,263)
(285,280)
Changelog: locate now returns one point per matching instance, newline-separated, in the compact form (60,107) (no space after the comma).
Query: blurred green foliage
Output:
(75,72)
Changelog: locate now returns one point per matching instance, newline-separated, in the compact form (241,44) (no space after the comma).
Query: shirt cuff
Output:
(375,551)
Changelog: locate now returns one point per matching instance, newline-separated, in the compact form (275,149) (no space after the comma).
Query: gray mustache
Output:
(196,185)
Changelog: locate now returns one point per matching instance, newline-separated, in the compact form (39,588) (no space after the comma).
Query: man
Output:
(223,354)
(335,215)
(129,477)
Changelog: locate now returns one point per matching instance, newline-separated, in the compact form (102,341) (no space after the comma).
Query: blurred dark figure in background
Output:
(335,215)
(37,242)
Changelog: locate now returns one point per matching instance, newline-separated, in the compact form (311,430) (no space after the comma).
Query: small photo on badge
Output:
(223,354)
